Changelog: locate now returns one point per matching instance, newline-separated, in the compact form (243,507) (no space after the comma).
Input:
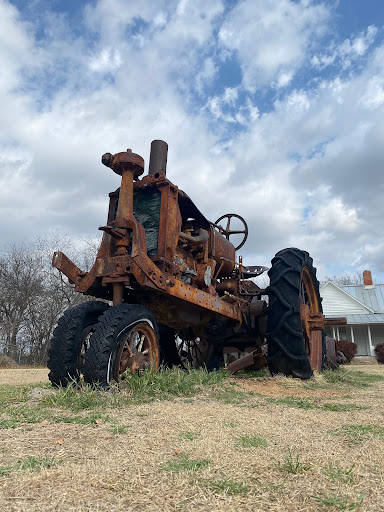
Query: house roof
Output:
(337,302)
(372,296)
(377,318)
(360,304)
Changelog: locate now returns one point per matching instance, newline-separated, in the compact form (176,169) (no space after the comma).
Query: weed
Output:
(36,463)
(292,464)
(146,387)
(119,429)
(336,474)
(189,436)
(353,378)
(254,441)
(341,503)
(299,403)
(229,395)
(12,394)
(76,399)
(359,433)
(230,424)
(171,382)
(227,486)
(90,419)
(30,464)
(254,374)
(182,463)
(342,407)
(8,423)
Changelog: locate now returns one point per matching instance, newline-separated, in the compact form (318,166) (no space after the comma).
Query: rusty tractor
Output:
(173,291)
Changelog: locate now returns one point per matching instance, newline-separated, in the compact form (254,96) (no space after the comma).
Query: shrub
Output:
(380,353)
(348,348)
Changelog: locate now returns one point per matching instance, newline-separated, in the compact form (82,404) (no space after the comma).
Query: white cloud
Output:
(334,215)
(106,60)
(373,96)
(271,37)
(347,51)
(306,171)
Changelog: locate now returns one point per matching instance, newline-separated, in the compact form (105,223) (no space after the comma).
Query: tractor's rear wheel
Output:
(125,340)
(70,342)
(295,322)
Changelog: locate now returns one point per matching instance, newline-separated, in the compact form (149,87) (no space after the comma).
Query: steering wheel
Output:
(227,231)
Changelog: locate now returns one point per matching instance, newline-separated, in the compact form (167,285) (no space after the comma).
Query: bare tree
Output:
(344,279)
(33,294)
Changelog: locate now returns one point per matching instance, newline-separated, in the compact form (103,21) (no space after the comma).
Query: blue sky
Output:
(272,109)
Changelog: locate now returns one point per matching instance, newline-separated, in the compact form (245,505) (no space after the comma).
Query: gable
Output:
(337,302)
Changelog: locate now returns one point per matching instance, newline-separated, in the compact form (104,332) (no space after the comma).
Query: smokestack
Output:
(367,277)
(158,157)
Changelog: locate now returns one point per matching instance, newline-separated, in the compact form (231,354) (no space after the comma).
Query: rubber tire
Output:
(286,347)
(67,339)
(107,337)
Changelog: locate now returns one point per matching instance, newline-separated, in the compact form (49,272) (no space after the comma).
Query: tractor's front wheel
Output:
(295,321)
(124,340)
(70,341)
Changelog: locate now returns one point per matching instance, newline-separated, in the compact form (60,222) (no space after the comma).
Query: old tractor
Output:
(173,291)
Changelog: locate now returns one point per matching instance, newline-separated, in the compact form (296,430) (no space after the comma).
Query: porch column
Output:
(352,334)
(337,333)
(334,332)
(371,350)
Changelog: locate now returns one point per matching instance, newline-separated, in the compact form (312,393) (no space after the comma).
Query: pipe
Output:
(158,157)
(202,237)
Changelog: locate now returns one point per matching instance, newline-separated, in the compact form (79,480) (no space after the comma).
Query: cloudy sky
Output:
(272,109)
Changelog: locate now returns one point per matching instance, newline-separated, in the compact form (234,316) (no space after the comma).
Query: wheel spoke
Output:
(140,346)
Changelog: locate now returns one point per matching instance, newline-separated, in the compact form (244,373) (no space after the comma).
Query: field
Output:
(194,441)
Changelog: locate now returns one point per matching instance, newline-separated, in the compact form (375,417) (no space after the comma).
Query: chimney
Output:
(367,277)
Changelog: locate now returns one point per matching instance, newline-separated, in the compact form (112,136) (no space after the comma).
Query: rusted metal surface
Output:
(138,351)
(159,250)
(312,321)
(342,320)
(227,231)
(254,360)
(331,353)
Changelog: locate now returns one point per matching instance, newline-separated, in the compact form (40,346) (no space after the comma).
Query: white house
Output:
(363,307)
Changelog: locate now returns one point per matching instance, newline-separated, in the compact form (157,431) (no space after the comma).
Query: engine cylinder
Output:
(223,252)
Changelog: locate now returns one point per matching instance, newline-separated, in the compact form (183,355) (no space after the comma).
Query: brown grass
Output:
(99,471)
(23,376)
(7,362)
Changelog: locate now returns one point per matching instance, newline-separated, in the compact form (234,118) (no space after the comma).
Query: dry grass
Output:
(23,376)
(7,362)
(185,454)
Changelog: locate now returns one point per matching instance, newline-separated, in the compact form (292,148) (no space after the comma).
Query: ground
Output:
(246,444)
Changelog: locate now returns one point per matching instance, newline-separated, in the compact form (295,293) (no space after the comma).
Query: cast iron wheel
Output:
(227,231)
(295,321)
(70,342)
(124,340)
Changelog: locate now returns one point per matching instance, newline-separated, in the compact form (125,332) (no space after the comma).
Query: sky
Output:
(272,109)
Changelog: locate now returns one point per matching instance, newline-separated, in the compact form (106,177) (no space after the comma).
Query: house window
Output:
(343,333)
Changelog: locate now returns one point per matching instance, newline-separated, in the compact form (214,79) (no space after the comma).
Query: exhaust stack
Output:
(158,157)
